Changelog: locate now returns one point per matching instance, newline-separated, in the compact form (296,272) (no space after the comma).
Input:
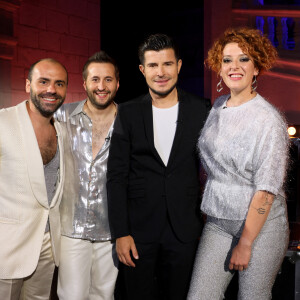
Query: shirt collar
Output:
(79,109)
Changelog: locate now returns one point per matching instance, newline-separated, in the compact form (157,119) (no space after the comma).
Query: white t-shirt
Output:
(164,127)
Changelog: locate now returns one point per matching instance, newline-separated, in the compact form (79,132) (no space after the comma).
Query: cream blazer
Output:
(24,207)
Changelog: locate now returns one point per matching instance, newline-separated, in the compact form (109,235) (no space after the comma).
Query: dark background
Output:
(124,25)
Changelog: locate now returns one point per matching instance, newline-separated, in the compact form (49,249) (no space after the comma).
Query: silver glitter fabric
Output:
(84,212)
(243,149)
(211,274)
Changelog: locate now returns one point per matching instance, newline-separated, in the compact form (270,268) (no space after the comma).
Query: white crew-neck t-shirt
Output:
(164,127)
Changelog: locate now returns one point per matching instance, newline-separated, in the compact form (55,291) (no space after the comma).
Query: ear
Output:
(179,64)
(256,72)
(142,69)
(84,85)
(220,74)
(27,86)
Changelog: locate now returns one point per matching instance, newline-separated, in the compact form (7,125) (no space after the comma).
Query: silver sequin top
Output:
(84,212)
(243,149)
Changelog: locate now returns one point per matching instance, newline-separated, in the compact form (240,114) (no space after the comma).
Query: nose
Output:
(235,64)
(160,71)
(51,88)
(101,85)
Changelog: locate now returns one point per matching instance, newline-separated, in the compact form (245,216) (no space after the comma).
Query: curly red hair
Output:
(252,43)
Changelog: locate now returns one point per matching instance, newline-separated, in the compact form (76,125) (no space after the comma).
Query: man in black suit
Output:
(152,178)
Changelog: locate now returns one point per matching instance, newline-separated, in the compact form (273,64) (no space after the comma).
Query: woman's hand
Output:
(240,256)
(257,215)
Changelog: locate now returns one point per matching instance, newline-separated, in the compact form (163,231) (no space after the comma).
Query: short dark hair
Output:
(157,42)
(100,57)
(45,59)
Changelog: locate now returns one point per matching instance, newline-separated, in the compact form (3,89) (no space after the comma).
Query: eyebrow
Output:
(43,78)
(98,77)
(238,55)
(47,79)
(165,62)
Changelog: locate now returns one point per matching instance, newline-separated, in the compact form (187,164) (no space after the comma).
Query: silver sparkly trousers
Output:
(211,274)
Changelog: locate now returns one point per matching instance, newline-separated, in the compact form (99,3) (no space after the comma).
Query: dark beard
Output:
(97,105)
(163,94)
(47,113)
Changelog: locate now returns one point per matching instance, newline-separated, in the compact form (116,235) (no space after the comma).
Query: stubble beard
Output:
(92,99)
(164,93)
(47,113)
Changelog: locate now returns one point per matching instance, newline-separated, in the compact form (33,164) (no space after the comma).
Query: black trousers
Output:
(163,270)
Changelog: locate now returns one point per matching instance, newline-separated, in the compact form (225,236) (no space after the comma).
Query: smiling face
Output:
(47,87)
(101,84)
(237,69)
(161,71)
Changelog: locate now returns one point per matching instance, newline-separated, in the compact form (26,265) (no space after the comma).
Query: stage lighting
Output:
(292,130)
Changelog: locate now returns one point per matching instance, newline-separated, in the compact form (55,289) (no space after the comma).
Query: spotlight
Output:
(292,130)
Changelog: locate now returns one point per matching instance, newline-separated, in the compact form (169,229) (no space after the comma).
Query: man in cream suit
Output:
(31,181)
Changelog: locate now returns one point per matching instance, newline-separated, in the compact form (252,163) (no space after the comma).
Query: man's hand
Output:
(123,246)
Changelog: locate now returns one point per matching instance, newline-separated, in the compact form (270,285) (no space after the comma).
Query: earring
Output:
(254,84)
(219,86)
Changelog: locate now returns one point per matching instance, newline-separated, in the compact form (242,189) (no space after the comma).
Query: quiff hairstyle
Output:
(251,41)
(100,57)
(157,42)
(52,60)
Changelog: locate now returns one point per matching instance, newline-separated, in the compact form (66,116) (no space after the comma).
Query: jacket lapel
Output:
(179,129)
(148,124)
(61,173)
(32,156)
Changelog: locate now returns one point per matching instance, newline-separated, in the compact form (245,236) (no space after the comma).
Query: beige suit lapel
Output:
(32,156)
(59,188)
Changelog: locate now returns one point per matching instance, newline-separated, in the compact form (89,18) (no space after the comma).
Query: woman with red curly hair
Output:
(244,150)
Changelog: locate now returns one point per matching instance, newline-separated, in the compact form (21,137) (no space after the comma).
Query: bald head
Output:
(47,86)
(50,60)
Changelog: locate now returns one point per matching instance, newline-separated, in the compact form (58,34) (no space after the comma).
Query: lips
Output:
(102,94)
(162,82)
(235,77)
(50,97)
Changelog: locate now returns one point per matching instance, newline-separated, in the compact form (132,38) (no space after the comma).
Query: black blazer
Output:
(142,191)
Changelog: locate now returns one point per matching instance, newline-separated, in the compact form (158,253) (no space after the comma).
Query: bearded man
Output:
(31,184)
(88,268)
